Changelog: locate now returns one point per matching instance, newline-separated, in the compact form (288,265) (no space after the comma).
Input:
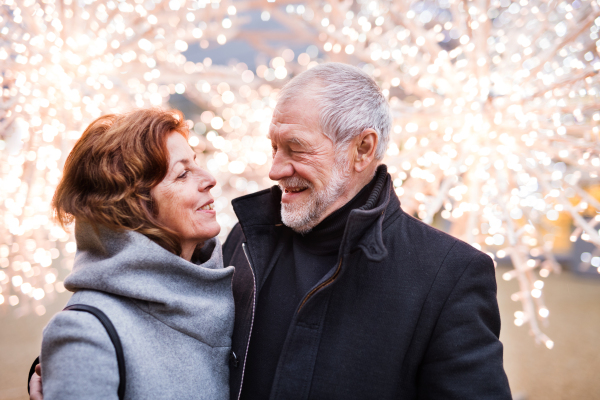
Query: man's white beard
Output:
(304,216)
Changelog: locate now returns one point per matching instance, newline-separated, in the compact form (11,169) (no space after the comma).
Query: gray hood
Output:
(195,299)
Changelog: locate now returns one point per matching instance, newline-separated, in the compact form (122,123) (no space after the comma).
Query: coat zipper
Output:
(321,286)
(244,247)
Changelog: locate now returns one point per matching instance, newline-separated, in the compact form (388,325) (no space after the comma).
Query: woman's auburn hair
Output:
(108,175)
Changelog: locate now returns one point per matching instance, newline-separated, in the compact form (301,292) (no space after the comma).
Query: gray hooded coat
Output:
(174,319)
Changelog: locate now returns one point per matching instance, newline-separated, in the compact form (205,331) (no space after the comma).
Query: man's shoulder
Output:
(416,233)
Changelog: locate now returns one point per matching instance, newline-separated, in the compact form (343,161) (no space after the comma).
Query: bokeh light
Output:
(495,107)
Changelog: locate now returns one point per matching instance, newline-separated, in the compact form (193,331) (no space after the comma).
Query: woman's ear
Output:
(366,146)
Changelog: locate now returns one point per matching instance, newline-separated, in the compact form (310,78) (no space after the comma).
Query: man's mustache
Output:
(294,181)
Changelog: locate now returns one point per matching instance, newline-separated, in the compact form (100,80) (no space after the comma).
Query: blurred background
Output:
(495,139)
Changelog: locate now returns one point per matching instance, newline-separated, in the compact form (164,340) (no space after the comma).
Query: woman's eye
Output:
(183,175)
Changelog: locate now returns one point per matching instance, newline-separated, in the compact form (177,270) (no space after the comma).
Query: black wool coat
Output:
(408,312)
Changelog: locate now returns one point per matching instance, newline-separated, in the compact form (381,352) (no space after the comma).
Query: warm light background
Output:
(495,140)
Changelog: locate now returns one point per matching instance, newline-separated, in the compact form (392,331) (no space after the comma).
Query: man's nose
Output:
(281,168)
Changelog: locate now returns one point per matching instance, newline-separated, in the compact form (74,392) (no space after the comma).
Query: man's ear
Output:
(366,146)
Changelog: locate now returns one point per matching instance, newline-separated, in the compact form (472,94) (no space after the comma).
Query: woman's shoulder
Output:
(75,324)
(75,345)
(78,324)
(98,298)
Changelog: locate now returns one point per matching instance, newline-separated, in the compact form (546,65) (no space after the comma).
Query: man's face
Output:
(304,164)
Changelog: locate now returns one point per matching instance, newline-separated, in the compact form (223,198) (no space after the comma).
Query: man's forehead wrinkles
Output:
(283,111)
(273,132)
(291,127)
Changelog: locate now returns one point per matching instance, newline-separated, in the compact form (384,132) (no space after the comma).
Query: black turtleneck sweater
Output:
(303,261)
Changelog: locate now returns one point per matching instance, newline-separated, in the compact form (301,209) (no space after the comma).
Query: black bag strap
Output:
(32,371)
(114,338)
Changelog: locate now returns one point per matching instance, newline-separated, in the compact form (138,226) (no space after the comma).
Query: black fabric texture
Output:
(302,263)
(409,312)
(275,308)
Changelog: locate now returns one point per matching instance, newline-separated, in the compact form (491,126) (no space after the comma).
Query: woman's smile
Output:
(208,207)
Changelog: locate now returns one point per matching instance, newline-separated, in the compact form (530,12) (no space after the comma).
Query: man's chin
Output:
(297,217)
(302,228)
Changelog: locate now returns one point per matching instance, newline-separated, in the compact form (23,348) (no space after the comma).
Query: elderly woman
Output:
(148,258)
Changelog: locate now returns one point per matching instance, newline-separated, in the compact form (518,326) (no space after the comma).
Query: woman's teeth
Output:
(208,207)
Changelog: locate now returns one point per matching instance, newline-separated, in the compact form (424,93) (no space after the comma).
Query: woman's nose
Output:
(206,181)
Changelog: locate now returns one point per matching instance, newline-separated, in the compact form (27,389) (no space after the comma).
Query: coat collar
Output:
(260,213)
(179,293)
(364,229)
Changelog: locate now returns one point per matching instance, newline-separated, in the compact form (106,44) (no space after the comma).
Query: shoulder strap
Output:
(114,338)
(31,372)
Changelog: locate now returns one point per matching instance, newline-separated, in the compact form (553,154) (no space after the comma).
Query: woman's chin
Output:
(216,230)
(208,231)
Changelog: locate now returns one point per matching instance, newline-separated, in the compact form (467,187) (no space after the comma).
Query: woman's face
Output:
(183,197)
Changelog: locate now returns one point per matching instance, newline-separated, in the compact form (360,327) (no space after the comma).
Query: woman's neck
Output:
(187,250)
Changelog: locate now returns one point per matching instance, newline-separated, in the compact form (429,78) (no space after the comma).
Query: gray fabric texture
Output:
(174,319)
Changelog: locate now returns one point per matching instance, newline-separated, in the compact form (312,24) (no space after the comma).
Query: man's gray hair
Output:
(349,100)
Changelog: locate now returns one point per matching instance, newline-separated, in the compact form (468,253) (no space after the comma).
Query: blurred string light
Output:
(63,64)
(495,135)
(495,119)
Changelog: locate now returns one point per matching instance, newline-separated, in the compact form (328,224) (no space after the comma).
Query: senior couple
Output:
(325,289)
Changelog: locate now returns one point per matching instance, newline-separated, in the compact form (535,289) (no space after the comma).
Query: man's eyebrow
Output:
(296,141)
(292,140)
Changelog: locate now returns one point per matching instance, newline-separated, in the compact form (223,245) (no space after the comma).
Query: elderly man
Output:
(339,293)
